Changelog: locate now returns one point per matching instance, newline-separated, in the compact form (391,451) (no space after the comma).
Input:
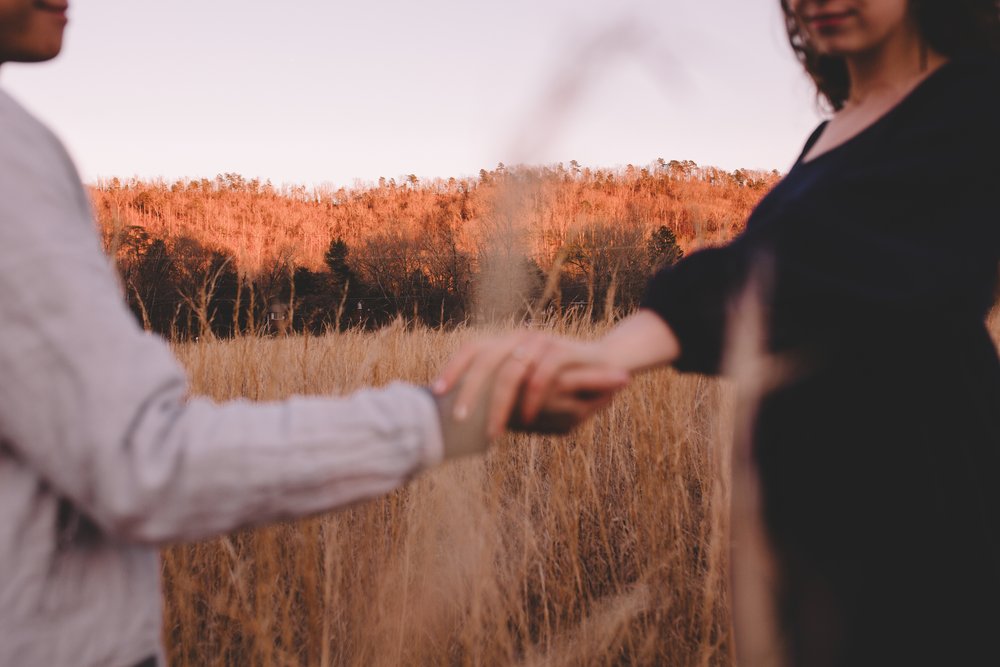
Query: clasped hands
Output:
(526,381)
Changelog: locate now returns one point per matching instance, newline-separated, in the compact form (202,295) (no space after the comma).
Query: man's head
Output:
(31,30)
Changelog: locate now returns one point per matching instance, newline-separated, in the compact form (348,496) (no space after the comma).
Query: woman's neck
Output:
(893,68)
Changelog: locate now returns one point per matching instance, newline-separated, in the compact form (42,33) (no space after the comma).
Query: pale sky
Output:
(334,91)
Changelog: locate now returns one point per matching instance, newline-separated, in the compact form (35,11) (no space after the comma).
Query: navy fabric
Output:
(878,460)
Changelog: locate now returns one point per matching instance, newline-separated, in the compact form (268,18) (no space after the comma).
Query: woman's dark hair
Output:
(950,27)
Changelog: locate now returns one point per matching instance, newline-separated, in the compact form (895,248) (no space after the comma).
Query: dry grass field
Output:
(610,546)
(606,547)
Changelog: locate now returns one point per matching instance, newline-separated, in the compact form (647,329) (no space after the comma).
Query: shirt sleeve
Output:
(101,409)
(693,297)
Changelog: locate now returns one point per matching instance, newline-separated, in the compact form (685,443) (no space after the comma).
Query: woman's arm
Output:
(548,383)
(639,342)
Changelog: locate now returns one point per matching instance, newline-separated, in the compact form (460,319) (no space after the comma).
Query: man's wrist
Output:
(460,437)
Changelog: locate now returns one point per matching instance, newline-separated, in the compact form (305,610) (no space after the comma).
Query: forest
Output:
(227,256)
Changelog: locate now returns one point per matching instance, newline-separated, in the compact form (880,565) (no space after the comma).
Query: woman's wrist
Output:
(639,342)
(607,352)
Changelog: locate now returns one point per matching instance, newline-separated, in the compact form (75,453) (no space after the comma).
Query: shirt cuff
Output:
(429,424)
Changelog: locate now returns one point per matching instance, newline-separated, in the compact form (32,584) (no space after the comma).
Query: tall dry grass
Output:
(605,547)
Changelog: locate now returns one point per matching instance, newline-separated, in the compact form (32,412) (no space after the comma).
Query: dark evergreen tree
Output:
(663,249)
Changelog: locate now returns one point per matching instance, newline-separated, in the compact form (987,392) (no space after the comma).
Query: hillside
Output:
(213,255)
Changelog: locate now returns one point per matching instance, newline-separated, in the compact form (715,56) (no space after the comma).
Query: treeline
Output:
(227,255)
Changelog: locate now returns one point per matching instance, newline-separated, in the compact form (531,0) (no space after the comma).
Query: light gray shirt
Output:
(103,456)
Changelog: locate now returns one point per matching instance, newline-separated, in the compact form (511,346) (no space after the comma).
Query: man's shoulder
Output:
(31,155)
(16,119)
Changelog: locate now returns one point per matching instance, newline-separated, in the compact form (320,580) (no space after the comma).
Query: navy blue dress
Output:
(879,461)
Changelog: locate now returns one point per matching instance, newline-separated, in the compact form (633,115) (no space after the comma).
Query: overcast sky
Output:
(335,91)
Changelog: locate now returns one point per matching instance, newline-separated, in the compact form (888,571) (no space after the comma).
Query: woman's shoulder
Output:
(956,107)
(982,63)
(972,78)
(949,132)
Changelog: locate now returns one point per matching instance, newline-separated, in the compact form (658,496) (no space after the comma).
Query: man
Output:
(103,457)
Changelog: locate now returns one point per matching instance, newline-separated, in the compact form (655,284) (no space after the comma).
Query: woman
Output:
(877,257)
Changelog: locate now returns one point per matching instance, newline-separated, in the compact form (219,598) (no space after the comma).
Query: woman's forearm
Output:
(535,373)
(639,342)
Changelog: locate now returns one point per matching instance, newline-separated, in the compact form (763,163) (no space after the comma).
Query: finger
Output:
(456,366)
(537,387)
(510,379)
(562,354)
(590,406)
(546,422)
(563,414)
(583,410)
(587,381)
(573,405)
(481,371)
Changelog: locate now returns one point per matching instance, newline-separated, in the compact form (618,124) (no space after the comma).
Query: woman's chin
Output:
(838,47)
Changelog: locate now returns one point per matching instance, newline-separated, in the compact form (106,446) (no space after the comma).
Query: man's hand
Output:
(539,382)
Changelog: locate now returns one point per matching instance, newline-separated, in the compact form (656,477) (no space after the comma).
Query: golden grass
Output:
(605,547)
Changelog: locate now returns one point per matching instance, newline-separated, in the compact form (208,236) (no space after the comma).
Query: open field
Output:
(606,547)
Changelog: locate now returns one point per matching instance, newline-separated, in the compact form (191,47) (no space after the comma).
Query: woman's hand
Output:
(539,382)
(545,383)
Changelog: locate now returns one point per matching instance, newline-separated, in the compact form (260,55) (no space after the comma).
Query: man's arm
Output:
(100,409)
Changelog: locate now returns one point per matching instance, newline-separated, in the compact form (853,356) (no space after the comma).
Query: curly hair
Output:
(949,27)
